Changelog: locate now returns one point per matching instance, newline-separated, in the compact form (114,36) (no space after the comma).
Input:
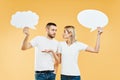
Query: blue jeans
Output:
(67,77)
(45,76)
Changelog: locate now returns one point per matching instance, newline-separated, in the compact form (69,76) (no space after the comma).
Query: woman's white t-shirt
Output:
(69,57)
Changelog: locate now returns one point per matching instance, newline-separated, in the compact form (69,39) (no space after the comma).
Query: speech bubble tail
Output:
(93,29)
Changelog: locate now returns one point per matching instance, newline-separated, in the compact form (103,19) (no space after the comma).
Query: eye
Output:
(52,29)
(64,31)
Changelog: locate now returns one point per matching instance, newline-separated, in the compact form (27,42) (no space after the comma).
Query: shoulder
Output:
(37,38)
(80,43)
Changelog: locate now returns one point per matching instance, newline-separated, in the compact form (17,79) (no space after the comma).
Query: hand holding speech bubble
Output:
(25,19)
(92,19)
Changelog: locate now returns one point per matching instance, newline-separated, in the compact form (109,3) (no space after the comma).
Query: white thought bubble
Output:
(92,19)
(24,19)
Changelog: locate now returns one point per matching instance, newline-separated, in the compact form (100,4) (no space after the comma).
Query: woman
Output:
(69,50)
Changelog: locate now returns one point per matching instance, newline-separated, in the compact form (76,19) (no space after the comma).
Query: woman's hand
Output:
(100,30)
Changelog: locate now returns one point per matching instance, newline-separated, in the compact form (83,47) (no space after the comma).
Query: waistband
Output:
(46,71)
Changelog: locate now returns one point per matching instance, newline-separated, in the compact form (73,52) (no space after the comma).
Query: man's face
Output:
(51,31)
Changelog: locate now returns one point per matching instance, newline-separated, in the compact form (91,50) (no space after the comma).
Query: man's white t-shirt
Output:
(69,58)
(44,61)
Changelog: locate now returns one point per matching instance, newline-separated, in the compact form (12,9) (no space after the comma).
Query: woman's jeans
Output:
(67,77)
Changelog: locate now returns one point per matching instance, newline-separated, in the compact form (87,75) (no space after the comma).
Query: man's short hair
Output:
(50,24)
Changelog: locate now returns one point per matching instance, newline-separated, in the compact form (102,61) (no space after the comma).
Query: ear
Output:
(46,29)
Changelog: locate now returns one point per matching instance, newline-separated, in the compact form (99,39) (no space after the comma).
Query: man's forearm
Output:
(25,43)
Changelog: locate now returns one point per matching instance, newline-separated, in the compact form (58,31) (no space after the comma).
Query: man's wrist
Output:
(26,35)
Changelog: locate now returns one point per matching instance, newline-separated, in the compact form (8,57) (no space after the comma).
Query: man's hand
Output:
(47,51)
(26,44)
(56,57)
(26,31)
(100,30)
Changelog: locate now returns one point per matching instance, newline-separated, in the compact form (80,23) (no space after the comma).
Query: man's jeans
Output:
(66,77)
(45,76)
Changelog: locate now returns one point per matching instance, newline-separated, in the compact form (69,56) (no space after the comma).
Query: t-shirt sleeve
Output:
(34,42)
(83,46)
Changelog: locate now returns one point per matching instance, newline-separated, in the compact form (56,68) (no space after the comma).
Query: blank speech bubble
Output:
(25,19)
(92,19)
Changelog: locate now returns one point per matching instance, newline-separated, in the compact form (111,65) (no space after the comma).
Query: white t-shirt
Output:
(69,58)
(44,61)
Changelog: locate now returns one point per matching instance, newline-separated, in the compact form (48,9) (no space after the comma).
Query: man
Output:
(44,62)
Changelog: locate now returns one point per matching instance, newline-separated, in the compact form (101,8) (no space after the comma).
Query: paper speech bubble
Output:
(92,19)
(25,19)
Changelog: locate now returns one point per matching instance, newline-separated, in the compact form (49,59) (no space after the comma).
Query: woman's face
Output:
(66,34)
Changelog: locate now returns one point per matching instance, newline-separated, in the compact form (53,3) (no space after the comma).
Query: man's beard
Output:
(51,36)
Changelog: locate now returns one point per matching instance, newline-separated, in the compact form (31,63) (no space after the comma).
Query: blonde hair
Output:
(71,29)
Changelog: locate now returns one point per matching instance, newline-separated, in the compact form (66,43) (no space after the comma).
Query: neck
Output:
(70,41)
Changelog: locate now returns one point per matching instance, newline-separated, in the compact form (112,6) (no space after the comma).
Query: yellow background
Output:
(19,65)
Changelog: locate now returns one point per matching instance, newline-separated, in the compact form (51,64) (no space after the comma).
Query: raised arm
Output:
(26,44)
(97,46)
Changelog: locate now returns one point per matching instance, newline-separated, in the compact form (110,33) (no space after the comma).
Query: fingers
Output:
(26,30)
(46,51)
(100,30)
